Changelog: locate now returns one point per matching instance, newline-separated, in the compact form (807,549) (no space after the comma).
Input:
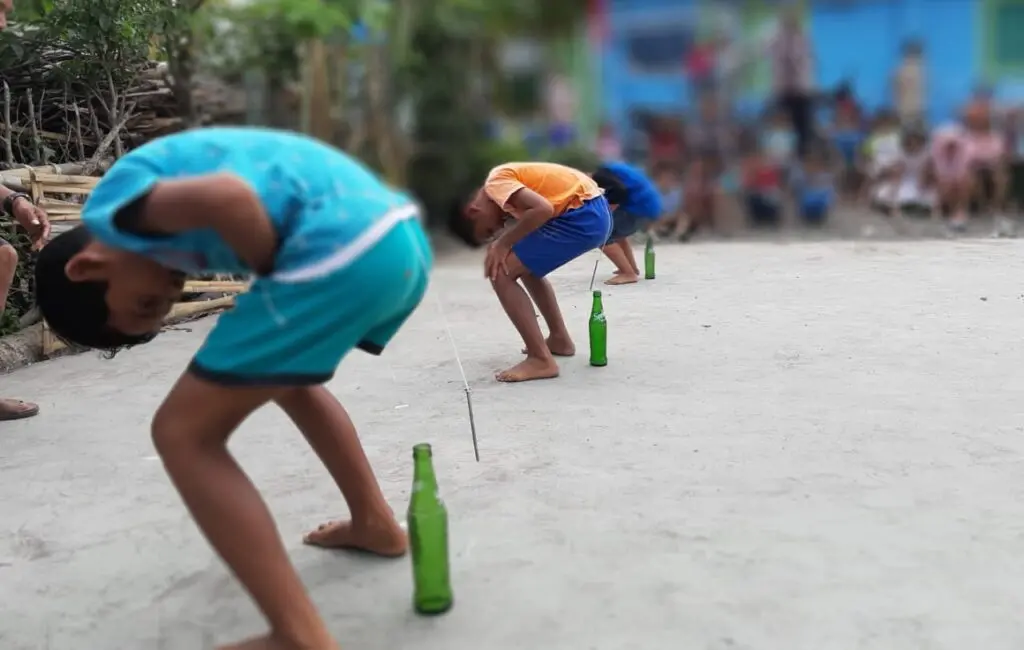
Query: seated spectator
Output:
(1015,149)
(667,179)
(814,185)
(713,132)
(701,197)
(666,142)
(883,145)
(911,187)
(847,136)
(608,145)
(778,140)
(761,186)
(883,148)
(950,166)
(989,166)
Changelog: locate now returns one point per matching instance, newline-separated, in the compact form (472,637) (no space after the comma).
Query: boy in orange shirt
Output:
(557,213)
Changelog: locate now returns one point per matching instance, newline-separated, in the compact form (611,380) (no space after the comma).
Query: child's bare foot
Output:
(384,539)
(559,347)
(623,278)
(271,642)
(529,369)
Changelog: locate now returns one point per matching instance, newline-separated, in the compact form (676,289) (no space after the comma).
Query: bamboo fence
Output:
(61,191)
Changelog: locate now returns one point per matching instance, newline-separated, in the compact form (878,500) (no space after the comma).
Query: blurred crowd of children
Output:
(715,172)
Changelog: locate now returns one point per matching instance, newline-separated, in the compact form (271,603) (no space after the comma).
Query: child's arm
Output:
(531,211)
(221,202)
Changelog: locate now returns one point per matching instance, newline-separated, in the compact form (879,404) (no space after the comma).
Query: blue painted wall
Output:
(860,40)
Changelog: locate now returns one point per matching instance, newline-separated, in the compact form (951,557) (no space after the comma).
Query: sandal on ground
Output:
(15,409)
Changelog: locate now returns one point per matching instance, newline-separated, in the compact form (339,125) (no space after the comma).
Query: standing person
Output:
(793,77)
(340,261)
(908,86)
(547,215)
(33,220)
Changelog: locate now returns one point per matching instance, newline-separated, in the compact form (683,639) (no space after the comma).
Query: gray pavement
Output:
(807,446)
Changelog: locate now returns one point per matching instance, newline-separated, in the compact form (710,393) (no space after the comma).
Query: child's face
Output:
(140,292)
(485,215)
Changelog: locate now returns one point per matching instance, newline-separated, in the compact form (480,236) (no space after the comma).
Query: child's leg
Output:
(627,248)
(287,332)
(617,254)
(191,431)
(539,362)
(330,432)
(559,340)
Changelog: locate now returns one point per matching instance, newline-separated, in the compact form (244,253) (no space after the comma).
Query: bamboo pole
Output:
(216,286)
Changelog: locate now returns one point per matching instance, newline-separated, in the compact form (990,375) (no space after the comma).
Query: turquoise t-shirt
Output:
(325,206)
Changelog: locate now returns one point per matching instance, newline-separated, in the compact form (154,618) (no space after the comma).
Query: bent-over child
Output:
(636,204)
(340,262)
(557,214)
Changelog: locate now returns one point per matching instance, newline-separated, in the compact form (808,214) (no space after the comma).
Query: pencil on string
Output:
(594,276)
(462,372)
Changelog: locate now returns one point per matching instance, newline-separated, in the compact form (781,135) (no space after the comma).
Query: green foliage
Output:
(266,34)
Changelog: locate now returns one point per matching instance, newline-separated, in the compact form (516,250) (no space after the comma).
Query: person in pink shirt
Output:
(989,164)
(950,168)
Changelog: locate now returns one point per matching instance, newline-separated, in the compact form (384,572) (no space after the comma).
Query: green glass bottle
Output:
(649,259)
(428,538)
(598,333)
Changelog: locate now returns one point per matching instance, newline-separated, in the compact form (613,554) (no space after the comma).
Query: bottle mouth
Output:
(422,449)
(597,293)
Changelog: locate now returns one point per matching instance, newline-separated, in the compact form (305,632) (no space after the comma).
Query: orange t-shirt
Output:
(565,188)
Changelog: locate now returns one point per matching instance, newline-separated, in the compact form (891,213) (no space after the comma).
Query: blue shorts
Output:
(565,237)
(295,328)
(624,224)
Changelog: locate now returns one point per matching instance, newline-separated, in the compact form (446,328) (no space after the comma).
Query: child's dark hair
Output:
(76,311)
(459,225)
(614,190)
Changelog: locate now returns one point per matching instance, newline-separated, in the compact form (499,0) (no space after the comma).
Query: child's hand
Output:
(494,262)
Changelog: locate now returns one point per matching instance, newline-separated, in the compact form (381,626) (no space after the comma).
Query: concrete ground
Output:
(807,446)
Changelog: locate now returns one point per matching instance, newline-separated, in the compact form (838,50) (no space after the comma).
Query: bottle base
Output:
(648,277)
(599,365)
(434,608)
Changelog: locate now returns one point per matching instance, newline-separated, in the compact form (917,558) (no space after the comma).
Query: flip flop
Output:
(15,409)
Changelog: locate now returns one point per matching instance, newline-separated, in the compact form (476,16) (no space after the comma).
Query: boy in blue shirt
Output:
(636,203)
(340,260)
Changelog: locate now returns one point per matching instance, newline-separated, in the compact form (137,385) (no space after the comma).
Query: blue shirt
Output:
(326,207)
(643,198)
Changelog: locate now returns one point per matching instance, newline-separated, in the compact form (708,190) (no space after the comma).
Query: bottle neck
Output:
(423,476)
(598,305)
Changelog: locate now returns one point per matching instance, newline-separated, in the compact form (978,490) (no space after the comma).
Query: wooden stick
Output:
(213,286)
(186,309)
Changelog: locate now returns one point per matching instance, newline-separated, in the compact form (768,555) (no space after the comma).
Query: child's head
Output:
(885,120)
(948,142)
(478,220)
(779,121)
(614,190)
(912,49)
(102,297)
(914,141)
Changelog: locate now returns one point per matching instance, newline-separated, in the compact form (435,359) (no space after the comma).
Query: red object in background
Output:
(665,145)
(763,177)
(597,21)
(700,61)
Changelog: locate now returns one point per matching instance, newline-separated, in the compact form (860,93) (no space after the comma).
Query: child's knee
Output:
(8,262)
(173,433)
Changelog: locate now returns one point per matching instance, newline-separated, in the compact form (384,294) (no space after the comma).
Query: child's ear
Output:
(86,265)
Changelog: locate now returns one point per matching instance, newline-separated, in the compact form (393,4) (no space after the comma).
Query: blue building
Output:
(966,42)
